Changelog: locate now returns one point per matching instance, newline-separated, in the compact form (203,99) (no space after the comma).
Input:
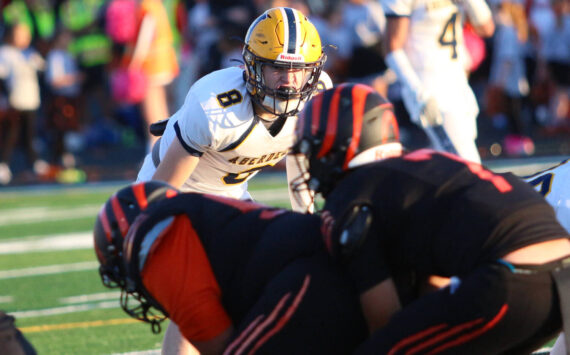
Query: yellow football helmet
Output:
(282,37)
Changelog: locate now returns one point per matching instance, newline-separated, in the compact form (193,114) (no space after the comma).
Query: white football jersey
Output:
(434,48)
(554,185)
(217,124)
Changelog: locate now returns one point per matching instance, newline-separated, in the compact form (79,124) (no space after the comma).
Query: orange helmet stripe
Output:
(120,215)
(140,195)
(359,95)
(316,114)
(105,222)
(332,121)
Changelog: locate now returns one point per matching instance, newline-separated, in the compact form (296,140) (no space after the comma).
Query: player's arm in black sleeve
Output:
(354,241)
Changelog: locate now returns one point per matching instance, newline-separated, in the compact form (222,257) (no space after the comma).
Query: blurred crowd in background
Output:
(81,80)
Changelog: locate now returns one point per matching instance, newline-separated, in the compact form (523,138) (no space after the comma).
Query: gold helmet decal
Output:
(282,37)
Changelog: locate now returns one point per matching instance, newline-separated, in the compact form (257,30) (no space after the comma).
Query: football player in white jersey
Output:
(234,122)
(424,42)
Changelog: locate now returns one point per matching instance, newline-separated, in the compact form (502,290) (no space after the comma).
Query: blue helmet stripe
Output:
(292,30)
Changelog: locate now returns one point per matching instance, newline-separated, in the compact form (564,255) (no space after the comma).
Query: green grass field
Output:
(48,270)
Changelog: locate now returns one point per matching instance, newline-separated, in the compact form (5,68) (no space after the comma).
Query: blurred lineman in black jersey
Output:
(394,219)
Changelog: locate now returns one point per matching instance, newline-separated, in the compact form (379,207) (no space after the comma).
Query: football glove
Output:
(430,114)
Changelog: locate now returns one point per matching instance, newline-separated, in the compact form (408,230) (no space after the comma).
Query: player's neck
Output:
(272,123)
(263,113)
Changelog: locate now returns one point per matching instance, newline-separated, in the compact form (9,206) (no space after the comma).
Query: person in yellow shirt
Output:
(154,54)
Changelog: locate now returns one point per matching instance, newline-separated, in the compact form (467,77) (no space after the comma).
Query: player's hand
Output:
(430,114)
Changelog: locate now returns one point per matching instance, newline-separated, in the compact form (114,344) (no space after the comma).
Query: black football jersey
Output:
(437,214)
(247,243)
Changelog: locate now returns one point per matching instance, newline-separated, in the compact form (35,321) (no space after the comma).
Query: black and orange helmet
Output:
(342,128)
(114,220)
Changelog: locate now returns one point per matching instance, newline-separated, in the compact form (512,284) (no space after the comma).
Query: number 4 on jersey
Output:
(448,36)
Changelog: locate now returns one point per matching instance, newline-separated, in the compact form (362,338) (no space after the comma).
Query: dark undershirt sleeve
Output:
(368,267)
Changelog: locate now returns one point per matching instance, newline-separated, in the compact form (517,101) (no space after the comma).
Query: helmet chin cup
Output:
(279,107)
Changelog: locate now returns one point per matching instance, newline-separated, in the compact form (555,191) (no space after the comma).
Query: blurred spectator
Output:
(540,15)
(233,24)
(16,11)
(92,50)
(178,17)
(19,65)
(555,53)
(355,30)
(474,51)
(38,15)
(335,36)
(508,82)
(176,10)
(203,32)
(365,21)
(153,53)
(64,81)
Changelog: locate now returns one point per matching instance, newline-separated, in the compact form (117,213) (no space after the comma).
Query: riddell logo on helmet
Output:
(379,152)
(388,151)
(290,57)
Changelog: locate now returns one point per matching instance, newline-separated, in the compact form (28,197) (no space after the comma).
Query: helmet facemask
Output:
(318,175)
(143,308)
(302,188)
(280,101)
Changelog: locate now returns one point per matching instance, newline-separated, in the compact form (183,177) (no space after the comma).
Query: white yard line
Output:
(43,214)
(144,352)
(48,270)
(6,299)
(65,309)
(80,240)
(91,298)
